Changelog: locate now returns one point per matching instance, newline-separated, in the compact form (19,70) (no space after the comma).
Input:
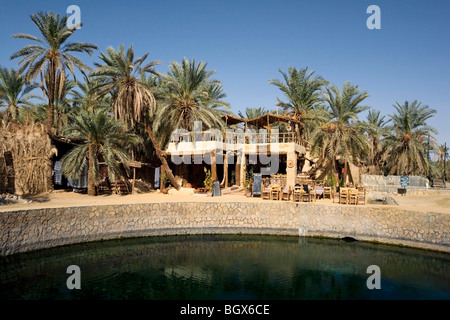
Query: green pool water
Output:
(226,267)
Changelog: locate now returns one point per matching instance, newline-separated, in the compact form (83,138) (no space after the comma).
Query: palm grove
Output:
(124,108)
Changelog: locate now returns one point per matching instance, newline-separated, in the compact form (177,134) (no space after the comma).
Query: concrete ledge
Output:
(28,230)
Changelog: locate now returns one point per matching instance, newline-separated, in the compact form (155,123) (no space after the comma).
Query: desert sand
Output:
(61,199)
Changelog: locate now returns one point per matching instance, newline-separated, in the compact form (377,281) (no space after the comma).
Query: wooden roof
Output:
(231,119)
(269,118)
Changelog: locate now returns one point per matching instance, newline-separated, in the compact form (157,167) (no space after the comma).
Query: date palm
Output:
(406,145)
(63,107)
(87,96)
(341,137)
(188,95)
(106,141)
(120,75)
(50,57)
(15,93)
(251,113)
(439,156)
(376,129)
(303,93)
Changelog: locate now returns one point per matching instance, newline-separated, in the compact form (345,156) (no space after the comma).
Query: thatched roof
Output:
(261,121)
(231,119)
(269,118)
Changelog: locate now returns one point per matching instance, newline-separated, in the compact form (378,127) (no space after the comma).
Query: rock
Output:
(391,201)
(377,196)
(185,191)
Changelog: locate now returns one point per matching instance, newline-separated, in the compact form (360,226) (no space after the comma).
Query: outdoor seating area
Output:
(308,190)
(348,195)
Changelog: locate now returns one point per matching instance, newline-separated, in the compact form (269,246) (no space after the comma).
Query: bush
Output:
(209,181)
(248,182)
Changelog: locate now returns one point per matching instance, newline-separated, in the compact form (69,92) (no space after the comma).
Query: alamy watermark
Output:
(374,21)
(374,281)
(74,20)
(74,281)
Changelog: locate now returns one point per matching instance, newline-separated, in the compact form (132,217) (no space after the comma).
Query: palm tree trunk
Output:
(161,156)
(345,172)
(51,86)
(298,135)
(91,181)
(213,166)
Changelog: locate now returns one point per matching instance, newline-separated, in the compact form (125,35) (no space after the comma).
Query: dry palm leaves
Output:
(31,151)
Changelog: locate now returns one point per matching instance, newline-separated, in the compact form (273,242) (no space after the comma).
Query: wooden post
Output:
(161,181)
(213,165)
(225,170)
(237,171)
(134,172)
(243,168)
(345,177)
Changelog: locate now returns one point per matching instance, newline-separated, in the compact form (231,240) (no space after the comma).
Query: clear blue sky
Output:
(247,42)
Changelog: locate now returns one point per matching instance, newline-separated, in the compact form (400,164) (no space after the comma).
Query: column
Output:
(291,168)
(243,168)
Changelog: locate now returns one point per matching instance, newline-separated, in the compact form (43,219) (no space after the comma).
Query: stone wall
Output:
(385,183)
(22,231)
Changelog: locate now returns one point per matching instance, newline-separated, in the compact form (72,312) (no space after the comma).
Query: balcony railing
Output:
(239,137)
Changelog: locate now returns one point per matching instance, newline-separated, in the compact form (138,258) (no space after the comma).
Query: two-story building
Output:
(269,144)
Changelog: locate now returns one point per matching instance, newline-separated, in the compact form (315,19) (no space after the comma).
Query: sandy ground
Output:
(425,203)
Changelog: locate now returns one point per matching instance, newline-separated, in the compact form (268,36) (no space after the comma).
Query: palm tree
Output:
(132,100)
(302,90)
(376,129)
(63,107)
(88,97)
(406,148)
(15,93)
(251,113)
(188,95)
(438,158)
(51,56)
(106,140)
(342,135)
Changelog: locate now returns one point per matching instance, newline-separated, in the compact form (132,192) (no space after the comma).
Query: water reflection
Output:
(226,267)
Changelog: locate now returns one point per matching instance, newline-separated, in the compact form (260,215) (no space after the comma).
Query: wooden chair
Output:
(353,196)
(265,194)
(319,191)
(275,192)
(104,188)
(313,193)
(343,195)
(120,187)
(362,196)
(335,194)
(307,193)
(327,192)
(286,194)
(297,194)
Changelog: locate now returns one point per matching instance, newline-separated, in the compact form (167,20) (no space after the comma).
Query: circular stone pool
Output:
(226,267)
